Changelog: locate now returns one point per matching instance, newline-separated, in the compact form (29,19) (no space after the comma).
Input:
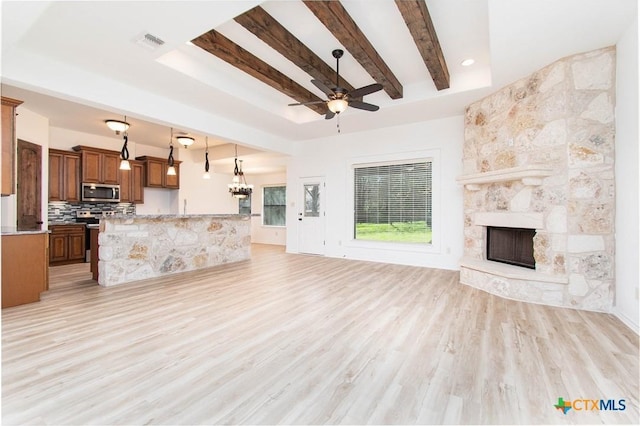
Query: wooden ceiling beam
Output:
(418,20)
(225,49)
(334,16)
(270,31)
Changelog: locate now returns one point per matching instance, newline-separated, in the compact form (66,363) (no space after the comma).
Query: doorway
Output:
(311,216)
(29,190)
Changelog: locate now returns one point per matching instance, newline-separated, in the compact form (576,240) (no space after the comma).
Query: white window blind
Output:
(393,202)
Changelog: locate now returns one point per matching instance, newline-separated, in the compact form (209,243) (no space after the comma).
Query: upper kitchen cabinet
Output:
(132,183)
(156,173)
(64,176)
(8,145)
(99,165)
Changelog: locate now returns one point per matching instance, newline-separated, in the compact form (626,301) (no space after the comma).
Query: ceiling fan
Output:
(339,97)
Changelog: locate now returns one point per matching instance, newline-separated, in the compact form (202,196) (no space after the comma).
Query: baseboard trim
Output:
(626,320)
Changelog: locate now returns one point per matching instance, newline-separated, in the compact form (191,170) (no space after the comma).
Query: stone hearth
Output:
(539,154)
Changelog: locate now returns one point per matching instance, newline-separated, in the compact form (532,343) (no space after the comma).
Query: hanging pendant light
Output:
(171,170)
(238,187)
(124,153)
(206,174)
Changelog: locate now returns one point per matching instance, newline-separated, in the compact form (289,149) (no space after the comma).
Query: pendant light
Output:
(171,170)
(124,153)
(238,187)
(206,174)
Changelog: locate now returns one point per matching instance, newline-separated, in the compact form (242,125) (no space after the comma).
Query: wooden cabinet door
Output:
(56,176)
(173,182)
(58,247)
(76,248)
(24,268)
(91,166)
(71,177)
(110,168)
(137,183)
(8,145)
(64,176)
(125,185)
(156,172)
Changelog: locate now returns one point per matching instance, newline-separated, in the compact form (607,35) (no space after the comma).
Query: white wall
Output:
(34,128)
(211,196)
(627,158)
(204,196)
(260,233)
(333,158)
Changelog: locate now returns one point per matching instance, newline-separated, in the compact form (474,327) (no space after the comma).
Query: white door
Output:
(311,216)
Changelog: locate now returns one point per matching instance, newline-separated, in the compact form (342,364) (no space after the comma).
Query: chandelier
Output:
(238,187)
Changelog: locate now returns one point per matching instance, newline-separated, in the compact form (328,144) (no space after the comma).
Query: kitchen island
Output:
(132,248)
(25,266)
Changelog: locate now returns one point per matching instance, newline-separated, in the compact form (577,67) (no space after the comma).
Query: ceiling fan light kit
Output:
(339,98)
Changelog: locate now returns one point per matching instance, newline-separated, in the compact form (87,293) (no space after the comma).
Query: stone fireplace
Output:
(539,155)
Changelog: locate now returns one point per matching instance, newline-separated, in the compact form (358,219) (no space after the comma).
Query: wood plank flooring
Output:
(292,339)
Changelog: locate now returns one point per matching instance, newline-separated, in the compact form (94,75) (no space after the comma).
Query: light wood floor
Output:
(291,339)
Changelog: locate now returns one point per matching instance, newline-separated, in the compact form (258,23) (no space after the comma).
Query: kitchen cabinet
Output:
(132,183)
(24,268)
(8,178)
(64,176)
(99,165)
(156,173)
(66,244)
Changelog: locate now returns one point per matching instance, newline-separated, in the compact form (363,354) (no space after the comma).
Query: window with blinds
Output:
(274,205)
(393,202)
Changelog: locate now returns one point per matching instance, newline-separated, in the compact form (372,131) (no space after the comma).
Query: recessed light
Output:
(467,62)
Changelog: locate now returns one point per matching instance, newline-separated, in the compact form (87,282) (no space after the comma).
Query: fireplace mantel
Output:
(531,175)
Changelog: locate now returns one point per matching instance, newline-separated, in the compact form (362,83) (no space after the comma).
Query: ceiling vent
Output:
(149,41)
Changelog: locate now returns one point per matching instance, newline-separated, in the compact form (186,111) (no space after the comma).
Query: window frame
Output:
(393,159)
(279,185)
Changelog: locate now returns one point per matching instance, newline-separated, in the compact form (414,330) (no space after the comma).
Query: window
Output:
(244,205)
(393,202)
(274,205)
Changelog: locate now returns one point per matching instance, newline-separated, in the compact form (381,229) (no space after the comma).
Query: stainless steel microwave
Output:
(101,193)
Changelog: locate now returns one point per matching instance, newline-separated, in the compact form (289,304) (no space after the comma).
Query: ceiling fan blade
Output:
(320,85)
(330,114)
(358,93)
(363,105)
(307,103)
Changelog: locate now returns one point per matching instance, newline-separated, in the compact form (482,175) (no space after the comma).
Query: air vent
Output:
(149,41)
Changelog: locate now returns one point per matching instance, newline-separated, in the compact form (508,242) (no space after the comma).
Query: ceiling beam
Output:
(220,46)
(334,16)
(270,31)
(416,16)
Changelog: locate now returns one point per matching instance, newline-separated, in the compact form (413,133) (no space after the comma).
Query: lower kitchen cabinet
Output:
(24,268)
(66,244)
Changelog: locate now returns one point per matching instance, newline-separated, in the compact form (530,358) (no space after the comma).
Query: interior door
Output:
(311,227)
(29,192)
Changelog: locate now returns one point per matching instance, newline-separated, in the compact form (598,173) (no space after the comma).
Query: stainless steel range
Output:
(90,218)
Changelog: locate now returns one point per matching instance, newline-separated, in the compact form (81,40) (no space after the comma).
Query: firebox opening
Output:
(513,246)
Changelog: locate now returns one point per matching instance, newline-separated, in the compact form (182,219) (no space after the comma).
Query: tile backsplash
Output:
(61,211)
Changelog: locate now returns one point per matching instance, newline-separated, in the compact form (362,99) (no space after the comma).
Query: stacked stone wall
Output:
(562,117)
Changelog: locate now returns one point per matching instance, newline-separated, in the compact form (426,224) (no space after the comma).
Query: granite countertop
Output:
(177,216)
(12,230)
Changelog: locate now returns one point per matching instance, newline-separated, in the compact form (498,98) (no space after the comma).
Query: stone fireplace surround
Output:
(539,154)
